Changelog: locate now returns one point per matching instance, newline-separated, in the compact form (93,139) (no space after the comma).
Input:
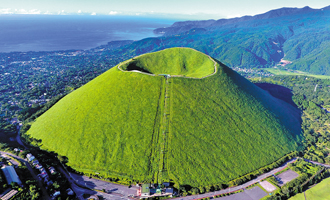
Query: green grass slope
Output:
(224,126)
(319,192)
(107,125)
(151,128)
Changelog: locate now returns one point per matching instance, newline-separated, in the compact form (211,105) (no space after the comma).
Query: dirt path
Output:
(164,129)
(284,62)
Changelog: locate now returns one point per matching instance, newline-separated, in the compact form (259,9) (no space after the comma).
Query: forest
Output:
(312,97)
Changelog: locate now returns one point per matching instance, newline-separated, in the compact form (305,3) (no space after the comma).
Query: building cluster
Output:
(43,175)
(155,190)
(251,72)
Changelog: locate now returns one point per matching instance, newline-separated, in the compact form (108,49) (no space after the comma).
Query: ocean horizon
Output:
(22,33)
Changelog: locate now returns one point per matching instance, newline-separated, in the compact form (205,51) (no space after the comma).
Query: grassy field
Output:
(197,132)
(319,192)
(295,73)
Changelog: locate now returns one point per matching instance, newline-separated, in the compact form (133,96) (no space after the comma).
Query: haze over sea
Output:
(64,32)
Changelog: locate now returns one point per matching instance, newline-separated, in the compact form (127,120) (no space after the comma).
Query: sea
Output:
(22,33)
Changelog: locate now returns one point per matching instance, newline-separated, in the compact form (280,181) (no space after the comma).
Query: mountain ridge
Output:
(179,27)
(298,35)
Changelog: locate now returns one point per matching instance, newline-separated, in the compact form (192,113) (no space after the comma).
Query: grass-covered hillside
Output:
(231,127)
(152,128)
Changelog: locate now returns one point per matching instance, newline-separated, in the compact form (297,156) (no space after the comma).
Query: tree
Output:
(63,159)
(194,191)
(56,185)
(36,196)
(201,190)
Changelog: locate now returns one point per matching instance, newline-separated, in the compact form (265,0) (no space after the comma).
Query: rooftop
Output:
(11,175)
(9,195)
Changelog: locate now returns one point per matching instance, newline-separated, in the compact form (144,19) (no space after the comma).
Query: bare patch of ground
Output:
(284,62)
(267,186)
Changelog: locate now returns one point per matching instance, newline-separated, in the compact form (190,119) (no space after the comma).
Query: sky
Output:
(178,9)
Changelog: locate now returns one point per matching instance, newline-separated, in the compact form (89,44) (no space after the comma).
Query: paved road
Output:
(43,189)
(99,185)
(114,191)
(18,138)
(80,191)
(40,184)
(11,160)
(317,163)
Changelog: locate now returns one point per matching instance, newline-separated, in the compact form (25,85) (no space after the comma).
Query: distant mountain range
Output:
(179,27)
(298,35)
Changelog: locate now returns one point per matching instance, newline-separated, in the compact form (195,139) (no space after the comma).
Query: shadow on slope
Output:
(271,97)
(278,91)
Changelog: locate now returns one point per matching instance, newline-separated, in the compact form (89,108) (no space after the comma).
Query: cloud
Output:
(79,11)
(5,11)
(178,16)
(233,16)
(93,13)
(62,12)
(28,12)
(34,12)
(113,13)
(21,11)
(47,13)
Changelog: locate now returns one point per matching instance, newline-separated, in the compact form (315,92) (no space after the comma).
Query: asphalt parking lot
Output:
(286,176)
(110,188)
